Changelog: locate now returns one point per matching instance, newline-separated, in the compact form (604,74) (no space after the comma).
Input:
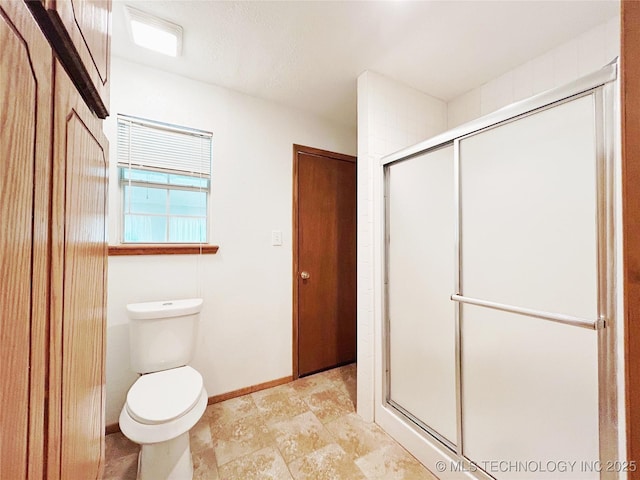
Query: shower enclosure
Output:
(500,268)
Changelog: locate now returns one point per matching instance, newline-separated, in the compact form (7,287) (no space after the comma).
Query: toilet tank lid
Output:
(164,309)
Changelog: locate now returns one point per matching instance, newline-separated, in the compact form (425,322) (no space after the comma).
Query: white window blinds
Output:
(144,143)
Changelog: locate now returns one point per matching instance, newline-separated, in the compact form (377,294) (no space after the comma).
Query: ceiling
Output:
(308,54)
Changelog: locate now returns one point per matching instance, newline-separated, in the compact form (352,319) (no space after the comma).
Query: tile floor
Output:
(304,430)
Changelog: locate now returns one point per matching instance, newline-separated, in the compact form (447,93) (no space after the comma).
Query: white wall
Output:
(568,61)
(246,325)
(391,116)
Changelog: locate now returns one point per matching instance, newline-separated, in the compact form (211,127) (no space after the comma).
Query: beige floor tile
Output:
(261,465)
(279,403)
(345,378)
(285,388)
(240,437)
(121,468)
(122,457)
(229,410)
(357,437)
(204,465)
(307,385)
(299,436)
(309,425)
(346,373)
(200,436)
(117,445)
(328,463)
(392,462)
(329,404)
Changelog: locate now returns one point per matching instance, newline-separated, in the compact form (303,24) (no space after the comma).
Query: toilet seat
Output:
(164,396)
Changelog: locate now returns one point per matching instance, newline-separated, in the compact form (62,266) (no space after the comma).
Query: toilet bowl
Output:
(169,397)
(160,410)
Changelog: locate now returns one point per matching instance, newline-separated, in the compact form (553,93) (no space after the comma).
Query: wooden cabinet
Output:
(79,255)
(53,198)
(79,32)
(25,129)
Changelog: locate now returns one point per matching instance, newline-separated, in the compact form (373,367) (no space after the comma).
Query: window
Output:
(165,180)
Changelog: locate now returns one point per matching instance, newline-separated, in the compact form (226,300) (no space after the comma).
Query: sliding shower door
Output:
(528,243)
(500,281)
(420,252)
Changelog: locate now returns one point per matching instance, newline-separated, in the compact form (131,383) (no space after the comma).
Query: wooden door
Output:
(76,431)
(324,260)
(25,117)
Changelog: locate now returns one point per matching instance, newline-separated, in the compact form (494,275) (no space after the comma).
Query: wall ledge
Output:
(162,249)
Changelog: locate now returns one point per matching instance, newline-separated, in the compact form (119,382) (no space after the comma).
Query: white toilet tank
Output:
(162,335)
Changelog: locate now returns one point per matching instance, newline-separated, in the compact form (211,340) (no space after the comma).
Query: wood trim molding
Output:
(323,153)
(630,101)
(147,249)
(115,427)
(294,264)
(247,390)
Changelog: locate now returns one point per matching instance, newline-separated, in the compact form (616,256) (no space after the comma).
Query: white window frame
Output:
(133,154)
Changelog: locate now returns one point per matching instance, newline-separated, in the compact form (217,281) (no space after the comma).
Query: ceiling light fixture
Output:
(154,33)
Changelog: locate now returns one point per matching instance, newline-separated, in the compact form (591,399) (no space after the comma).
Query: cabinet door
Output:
(25,117)
(80,33)
(79,274)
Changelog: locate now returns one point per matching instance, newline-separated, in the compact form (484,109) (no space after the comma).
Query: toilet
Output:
(169,397)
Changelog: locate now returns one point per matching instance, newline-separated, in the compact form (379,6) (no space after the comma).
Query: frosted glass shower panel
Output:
(528,210)
(530,396)
(420,261)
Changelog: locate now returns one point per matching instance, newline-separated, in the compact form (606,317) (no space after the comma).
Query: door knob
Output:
(304,275)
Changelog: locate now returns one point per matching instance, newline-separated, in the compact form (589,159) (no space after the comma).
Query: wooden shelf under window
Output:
(166,249)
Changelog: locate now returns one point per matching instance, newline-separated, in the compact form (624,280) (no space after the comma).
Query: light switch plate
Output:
(276,238)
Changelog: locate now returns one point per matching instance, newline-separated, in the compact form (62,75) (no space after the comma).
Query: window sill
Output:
(166,249)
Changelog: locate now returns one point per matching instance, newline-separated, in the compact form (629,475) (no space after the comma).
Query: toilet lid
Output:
(164,396)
